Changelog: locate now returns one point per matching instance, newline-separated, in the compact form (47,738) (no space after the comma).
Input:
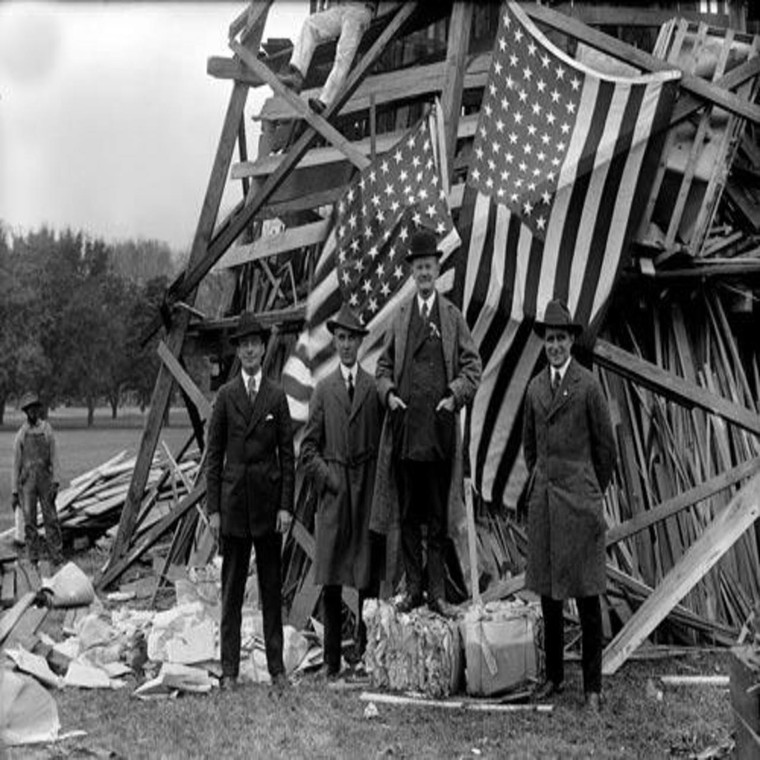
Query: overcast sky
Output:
(108,120)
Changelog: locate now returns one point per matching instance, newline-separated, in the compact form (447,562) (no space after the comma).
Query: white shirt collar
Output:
(561,369)
(247,380)
(429,301)
(348,371)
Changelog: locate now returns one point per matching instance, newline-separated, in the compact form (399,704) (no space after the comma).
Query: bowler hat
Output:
(557,316)
(248,324)
(423,243)
(30,398)
(346,319)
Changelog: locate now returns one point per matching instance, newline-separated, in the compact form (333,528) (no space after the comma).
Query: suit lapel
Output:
(564,392)
(339,390)
(260,405)
(402,335)
(362,388)
(240,398)
(544,390)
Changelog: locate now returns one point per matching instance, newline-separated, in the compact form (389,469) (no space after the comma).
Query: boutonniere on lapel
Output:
(269,417)
(435,333)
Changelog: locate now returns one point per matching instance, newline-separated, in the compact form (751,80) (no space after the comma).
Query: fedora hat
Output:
(29,399)
(346,319)
(557,316)
(423,243)
(248,324)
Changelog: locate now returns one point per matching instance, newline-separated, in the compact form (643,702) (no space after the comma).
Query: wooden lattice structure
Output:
(411,54)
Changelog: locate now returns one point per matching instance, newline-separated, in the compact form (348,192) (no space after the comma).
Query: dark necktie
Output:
(351,387)
(252,390)
(424,312)
(555,382)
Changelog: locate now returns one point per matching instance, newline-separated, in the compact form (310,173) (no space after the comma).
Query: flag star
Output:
(350,195)
(495,146)
(395,206)
(497,67)
(384,168)
(491,164)
(499,125)
(555,162)
(510,85)
(353,300)
(560,71)
(416,218)
(527,208)
(527,73)
(546,197)
(575,83)
(502,44)
(367,286)
(507,20)
(368,233)
(551,118)
(426,145)
(346,278)
(380,269)
(536,108)
(403,175)
(487,108)
(541,222)
(362,183)
(489,182)
(416,161)
(513,60)
(550,177)
(504,175)
(398,273)
(527,148)
(555,96)
(341,208)
(545,61)
(404,234)
(429,163)
(492,89)
(380,216)
(389,190)
(532,187)
(372,175)
(398,156)
(513,137)
(508,157)
(523,166)
(430,211)
(565,128)
(358,265)
(385,289)
(422,194)
(518,182)
(518,34)
(355,245)
(440,228)
(532,129)
(476,174)
(518,117)
(523,96)
(372,305)
(541,156)
(532,47)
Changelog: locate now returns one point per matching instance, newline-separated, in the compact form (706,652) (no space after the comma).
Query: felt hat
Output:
(558,317)
(30,398)
(346,319)
(423,243)
(248,324)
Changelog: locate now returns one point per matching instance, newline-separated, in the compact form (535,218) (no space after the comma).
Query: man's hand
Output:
(15,502)
(395,402)
(446,403)
(284,518)
(213,523)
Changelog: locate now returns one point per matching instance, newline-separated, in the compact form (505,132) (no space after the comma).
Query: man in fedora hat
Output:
(35,478)
(428,370)
(249,478)
(570,453)
(339,452)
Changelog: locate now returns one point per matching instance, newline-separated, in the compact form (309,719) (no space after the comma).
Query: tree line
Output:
(73,310)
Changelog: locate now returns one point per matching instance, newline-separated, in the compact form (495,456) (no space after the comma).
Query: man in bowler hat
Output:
(249,478)
(428,370)
(570,453)
(339,452)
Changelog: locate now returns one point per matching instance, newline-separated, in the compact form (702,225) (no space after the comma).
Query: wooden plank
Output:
(682,501)
(672,387)
(24,633)
(184,380)
(701,556)
(453,75)
(317,122)
(641,59)
(233,226)
(13,615)
(272,245)
(116,568)
(8,590)
(606,14)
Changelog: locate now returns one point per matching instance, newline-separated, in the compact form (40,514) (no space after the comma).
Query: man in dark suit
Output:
(249,478)
(428,370)
(339,452)
(570,453)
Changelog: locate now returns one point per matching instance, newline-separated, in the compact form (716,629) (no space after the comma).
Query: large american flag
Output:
(563,160)
(363,259)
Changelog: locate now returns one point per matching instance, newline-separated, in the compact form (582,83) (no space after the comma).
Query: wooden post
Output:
(456,56)
(472,543)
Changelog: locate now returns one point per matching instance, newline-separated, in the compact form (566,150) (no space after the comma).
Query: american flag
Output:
(563,160)
(363,259)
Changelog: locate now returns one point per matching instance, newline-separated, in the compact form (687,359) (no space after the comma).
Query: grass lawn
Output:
(82,448)
(312,721)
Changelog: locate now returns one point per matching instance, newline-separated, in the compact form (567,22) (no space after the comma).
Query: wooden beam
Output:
(460,23)
(684,500)
(672,387)
(701,556)
(643,60)
(13,615)
(233,226)
(184,380)
(115,569)
(606,14)
(316,121)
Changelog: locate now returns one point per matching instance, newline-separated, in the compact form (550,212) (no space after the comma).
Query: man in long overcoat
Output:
(428,370)
(250,480)
(339,452)
(570,453)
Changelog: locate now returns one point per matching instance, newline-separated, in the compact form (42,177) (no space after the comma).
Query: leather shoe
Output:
(408,603)
(292,78)
(228,683)
(548,689)
(593,701)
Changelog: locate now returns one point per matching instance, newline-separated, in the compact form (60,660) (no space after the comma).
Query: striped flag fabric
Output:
(563,160)
(363,259)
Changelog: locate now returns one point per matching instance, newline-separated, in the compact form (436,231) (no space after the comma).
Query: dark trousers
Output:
(236,555)
(37,488)
(423,489)
(332,608)
(590,613)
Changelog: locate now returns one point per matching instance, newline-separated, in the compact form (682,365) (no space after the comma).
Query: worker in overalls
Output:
(35,477)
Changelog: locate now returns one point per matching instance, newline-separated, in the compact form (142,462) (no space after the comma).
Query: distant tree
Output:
(140,261)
